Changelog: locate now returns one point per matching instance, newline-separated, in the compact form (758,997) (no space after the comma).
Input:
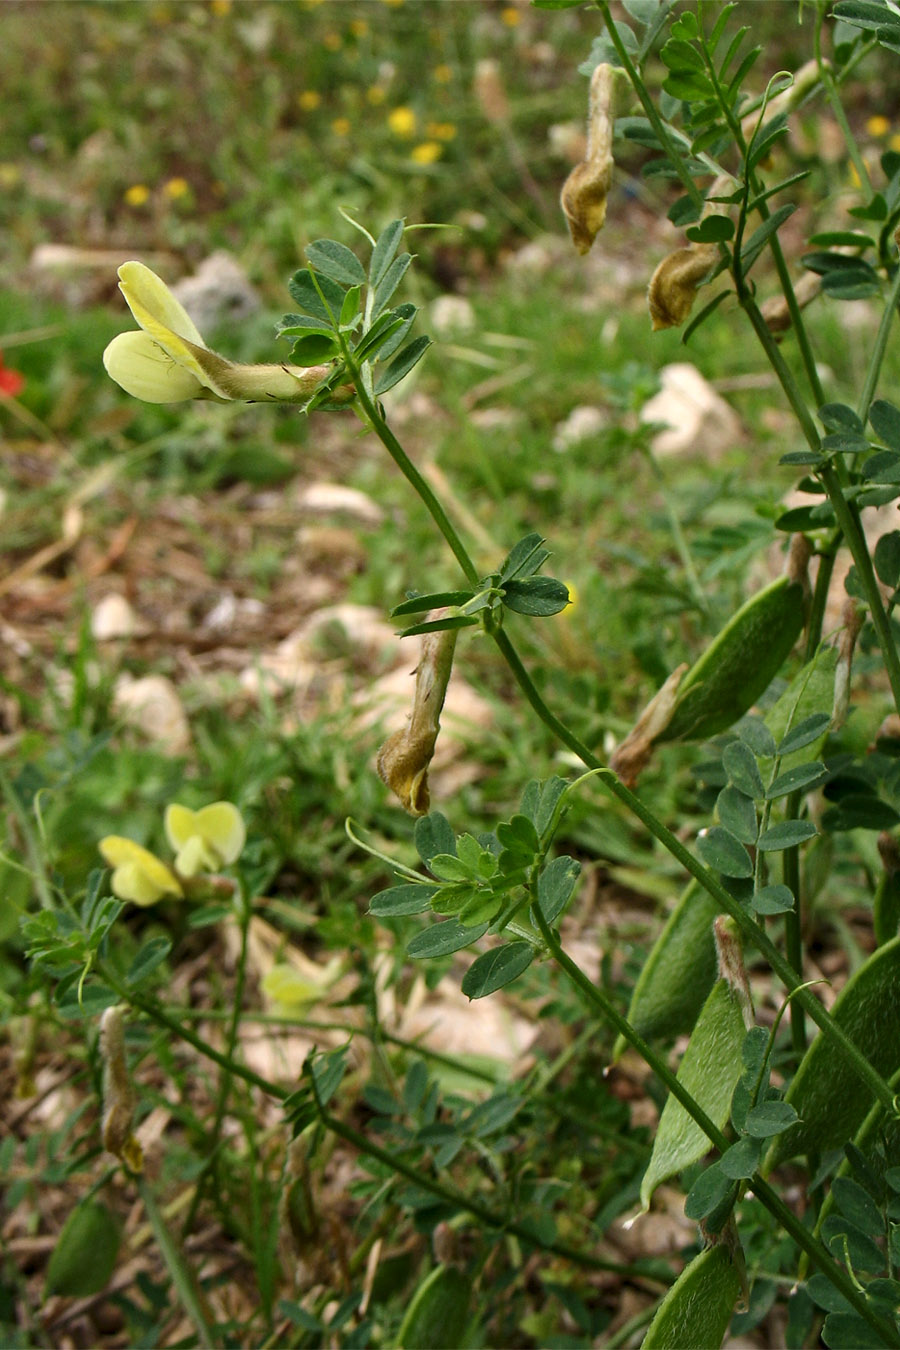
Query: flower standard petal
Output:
(138,875)
(148,296)
(211,837)
(143,369)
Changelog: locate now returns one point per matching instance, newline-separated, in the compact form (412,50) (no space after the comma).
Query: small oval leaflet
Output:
(720,849)
(397,900)
(444,938)
(496,968)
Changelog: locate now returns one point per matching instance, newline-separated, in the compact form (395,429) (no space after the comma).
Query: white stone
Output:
(694,416)
(451,316)
(325,499)
(113,617)
(581,424)
(151,706)
(218,293)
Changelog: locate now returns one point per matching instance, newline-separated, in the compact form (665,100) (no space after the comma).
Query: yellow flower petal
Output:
(148,297)
(145,370)
(219,829)
(138,874)
(196,856)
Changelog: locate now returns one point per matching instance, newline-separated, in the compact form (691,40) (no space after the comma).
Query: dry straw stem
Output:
(584,194)
(404,758)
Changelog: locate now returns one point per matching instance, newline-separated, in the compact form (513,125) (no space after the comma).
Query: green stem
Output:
(227,1074)
(707,879)
(837,107)
(162,1019)
(420,484)
(879,349)
(182,1276)
(846,514)
(809,1244)
(450,1195)
(674,154)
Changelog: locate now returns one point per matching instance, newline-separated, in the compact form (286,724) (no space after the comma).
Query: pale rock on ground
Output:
(113,617)
(151,706)
(581,424)
(695,418)
(451,316)
(218,293)
(324,499)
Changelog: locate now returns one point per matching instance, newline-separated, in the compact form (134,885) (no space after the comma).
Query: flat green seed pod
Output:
(697,1309)
(679,972)
(739,664)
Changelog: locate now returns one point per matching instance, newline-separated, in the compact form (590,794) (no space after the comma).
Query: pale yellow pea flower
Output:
(168,361)
(138,875)
(204,840)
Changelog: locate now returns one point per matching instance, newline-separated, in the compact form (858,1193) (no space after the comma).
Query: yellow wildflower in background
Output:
(359,28)
(341,126)
(219,7)
(174,188)
(426,153)
(309,99)
(894,142)
(443,73)
(510,16)
(331,41)
(878,126)
(402,121)
(376,94)
(441,131)
(137,194)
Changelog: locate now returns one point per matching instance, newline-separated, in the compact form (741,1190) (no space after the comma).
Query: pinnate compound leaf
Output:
(303,291)
(496,968)
(709,1071)
(697,1309)
(828,1096)
(151,954)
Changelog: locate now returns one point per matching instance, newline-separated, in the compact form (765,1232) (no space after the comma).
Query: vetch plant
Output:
(787,790)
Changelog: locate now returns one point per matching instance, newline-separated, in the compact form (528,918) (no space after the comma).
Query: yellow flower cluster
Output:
(203,841)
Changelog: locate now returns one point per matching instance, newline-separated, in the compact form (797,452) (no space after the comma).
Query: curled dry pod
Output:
(740,663)
(674,285)
(584,193)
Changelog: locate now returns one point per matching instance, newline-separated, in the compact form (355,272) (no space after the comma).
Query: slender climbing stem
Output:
(707,879)
(419,483)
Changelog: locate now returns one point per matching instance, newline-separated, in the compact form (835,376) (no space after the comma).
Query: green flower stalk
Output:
(168,361)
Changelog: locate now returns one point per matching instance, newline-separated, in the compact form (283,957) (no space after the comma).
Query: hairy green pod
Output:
(739,664)
(437,1316)
(679,972)
(698,1307)
(84,1257)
